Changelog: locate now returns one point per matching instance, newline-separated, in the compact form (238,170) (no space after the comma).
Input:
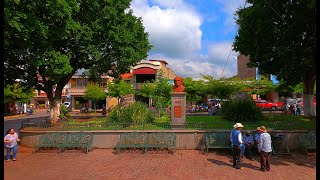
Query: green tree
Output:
(222,88)
(261,86)
(194,89)
(16,93)
(280,38)
(159,91)
(94,93)
(119,88)
(46,42)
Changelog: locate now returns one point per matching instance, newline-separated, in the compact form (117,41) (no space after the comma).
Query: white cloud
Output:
(211,64)
(173,26)
(174,31)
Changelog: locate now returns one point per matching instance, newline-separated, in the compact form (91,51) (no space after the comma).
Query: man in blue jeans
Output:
(237,145)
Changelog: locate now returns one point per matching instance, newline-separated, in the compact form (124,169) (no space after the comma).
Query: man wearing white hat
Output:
(265,149)
(237,145)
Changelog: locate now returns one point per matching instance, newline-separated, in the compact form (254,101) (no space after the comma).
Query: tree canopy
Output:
(16,93)
(46,42)
(95,93)
(119,89)
(280,38)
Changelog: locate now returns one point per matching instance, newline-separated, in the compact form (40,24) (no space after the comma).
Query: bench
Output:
(218,140)
(64,140)
(146,140)
(308,141)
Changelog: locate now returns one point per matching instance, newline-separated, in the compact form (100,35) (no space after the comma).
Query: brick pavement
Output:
(184,164)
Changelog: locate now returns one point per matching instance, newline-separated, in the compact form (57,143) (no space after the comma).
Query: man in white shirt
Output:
(237,145)
(265,149)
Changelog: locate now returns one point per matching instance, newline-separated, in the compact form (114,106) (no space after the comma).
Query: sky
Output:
(194,36)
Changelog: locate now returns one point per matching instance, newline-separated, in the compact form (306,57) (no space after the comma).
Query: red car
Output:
(266,105)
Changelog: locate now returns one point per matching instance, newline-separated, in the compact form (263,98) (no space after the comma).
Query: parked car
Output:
(266,105)
(66,104)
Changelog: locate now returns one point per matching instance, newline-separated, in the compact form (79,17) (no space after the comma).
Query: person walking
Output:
(237,145)
(11,143)
(265,149)
(299,108)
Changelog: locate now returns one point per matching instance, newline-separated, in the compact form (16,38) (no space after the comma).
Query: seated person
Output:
(248,143)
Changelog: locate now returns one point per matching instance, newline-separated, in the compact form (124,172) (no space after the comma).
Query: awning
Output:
(145,71)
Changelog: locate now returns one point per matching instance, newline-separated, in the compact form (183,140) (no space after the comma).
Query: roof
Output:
(126,76)
(144,70)
(163,61)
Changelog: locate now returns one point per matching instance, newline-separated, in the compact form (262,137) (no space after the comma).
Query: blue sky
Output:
(193,36)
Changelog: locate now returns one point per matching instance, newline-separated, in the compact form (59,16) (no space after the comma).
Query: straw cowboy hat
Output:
(258,129)
(263,129)
(238,125)
(248,132)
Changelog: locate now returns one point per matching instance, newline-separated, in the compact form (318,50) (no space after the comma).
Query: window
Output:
(81,83)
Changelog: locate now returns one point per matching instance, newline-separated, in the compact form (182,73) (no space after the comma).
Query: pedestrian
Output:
(237,145)
(11,143)
(292,109)
(299,108)
(248,143)
(257,138)
(265,149)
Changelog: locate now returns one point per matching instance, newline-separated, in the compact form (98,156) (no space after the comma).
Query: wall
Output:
(243,70)
(186,139)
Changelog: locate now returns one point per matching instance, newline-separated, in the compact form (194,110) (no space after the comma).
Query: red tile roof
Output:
(126,76)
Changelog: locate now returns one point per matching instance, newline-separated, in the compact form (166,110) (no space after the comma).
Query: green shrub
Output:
(163,118)
(241,110)
(135,113)
(64,113)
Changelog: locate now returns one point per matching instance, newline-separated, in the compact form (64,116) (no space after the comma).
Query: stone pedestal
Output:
(178,110)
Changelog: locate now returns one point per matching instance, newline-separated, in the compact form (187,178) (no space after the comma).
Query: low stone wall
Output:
(16,124)
(186,139)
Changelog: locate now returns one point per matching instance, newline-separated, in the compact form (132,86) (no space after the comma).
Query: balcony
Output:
(76,91)
(80,91)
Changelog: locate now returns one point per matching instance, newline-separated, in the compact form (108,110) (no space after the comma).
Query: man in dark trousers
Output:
(237,145)
(265,149)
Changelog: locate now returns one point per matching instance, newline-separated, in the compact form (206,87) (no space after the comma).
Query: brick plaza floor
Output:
(184,164)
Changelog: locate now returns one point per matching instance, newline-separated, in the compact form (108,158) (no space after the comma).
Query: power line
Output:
(273,10)
(229,53)
(226,62)
(237,31)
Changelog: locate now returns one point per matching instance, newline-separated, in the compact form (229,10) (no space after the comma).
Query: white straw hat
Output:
(238,125)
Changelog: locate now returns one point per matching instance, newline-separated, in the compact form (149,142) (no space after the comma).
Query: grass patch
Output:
(272,122)
(276,122)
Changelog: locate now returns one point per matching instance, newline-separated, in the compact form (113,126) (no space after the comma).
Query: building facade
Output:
(243,70)
(145,70)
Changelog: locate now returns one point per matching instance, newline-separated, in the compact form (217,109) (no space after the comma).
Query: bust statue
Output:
(178,87)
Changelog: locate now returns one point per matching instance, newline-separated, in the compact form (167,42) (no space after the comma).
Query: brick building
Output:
(243,70)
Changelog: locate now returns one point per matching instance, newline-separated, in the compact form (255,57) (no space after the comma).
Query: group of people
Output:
(261,141)
(295,108)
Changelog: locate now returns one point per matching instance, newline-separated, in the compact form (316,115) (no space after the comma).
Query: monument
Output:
(178,104)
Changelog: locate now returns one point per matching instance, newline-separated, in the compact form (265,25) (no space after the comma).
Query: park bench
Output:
(218,140)
(146,140)
(308,141)
(65,140)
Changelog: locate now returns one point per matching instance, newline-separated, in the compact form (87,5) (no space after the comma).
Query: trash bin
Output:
(279,144)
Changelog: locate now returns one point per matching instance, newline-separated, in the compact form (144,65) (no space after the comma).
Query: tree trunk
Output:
(55,111)
(309,82)
(95,109)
